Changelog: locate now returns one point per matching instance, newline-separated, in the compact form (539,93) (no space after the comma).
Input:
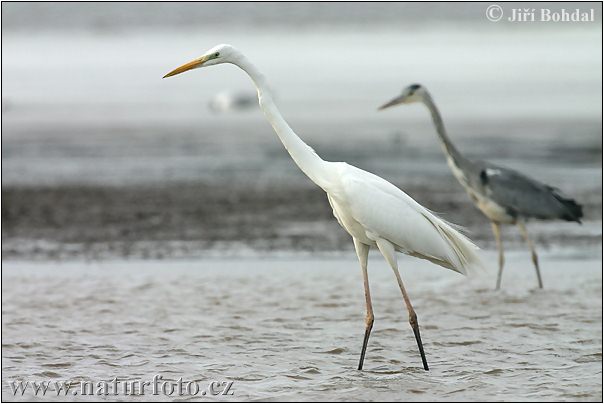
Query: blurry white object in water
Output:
(372,210)
(226,102)
(503,195)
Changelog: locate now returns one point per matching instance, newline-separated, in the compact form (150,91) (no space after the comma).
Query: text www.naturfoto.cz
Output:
(116,387)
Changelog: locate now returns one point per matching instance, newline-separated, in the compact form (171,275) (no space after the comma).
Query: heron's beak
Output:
(188,66)
(395,101)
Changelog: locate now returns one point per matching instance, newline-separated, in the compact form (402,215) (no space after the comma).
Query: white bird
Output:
(372,210)
(228,101)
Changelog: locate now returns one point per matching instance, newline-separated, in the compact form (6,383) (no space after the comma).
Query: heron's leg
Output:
(363,252)
(497,232)
(526,237)
(387,250)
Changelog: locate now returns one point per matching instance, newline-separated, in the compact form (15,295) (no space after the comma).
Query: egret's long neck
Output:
(447,145)
(303,155)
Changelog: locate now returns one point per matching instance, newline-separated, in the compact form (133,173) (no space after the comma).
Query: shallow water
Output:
(291,328)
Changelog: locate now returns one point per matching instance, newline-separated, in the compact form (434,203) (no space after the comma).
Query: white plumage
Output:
(372,210)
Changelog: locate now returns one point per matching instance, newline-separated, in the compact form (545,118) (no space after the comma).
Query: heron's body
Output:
(507,196)
(488,206)
(503,195)
(372,210)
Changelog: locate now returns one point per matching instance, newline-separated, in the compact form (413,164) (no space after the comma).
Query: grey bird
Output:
(504,196)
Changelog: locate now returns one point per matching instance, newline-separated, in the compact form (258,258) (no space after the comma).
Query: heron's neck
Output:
(303,155)
(447,145)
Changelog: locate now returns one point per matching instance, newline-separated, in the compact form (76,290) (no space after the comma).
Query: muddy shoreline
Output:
(196,219)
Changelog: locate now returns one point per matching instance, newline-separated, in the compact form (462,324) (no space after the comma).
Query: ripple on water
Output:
(480,345)
(48,374)
(596,357)
(61,365)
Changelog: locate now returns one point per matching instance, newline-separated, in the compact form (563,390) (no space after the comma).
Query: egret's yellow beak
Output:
(188,66)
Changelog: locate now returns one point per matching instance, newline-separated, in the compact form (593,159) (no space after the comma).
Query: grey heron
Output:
(374,212)
(504,196)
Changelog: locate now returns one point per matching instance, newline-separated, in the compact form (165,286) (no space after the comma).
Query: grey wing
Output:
(525,197)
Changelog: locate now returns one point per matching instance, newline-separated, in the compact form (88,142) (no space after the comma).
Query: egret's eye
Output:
(217,54)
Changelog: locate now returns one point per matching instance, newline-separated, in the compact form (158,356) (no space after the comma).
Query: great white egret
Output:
(372,210)
(503,195)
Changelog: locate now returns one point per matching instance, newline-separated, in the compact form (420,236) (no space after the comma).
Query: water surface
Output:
(291,328)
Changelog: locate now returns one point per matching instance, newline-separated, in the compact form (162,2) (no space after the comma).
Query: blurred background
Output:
(120,190)
(103,158)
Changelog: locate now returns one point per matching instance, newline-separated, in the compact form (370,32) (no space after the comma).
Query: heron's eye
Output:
(217,54)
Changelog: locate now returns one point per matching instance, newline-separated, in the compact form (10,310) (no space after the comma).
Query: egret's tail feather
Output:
(466,252)
(464,256)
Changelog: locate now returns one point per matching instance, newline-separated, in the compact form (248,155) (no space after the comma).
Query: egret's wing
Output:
(387,212)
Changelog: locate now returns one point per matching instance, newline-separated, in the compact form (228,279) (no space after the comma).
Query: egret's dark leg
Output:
(363,252)
(497,232)
(387,250)
(526,237)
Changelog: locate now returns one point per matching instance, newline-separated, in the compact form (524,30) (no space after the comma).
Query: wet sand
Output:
(201,220)
(291,328)
(143,195)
